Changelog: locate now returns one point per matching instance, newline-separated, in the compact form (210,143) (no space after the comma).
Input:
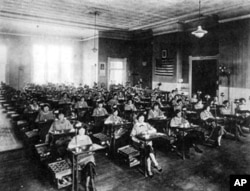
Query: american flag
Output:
(164,67)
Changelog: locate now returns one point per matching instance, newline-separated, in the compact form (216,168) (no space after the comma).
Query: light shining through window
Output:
(52,63)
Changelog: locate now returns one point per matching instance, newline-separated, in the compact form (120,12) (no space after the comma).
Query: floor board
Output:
(8,139)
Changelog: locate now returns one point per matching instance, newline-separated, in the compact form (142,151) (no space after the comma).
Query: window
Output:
(39,58)
(117,71)
(52,63)
(66,64)
(53,59)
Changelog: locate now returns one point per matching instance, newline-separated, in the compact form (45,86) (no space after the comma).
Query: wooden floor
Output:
(8,139)
(203,172)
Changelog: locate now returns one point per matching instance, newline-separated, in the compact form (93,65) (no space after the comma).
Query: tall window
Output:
(66,64)
(53,59)
(117,72)
(52,63)
(39,58)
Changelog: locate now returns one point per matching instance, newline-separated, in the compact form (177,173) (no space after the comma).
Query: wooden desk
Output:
(78,151)
(159,123)
(146,139)
(112,128)
(183,130)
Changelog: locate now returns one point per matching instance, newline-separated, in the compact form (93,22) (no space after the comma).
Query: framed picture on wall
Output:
(164,53)
(102,69)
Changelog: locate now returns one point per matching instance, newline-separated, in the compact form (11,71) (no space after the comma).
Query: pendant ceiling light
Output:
(96,13)
(199,33)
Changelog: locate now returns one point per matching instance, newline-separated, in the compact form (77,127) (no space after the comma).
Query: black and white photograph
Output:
(124,95)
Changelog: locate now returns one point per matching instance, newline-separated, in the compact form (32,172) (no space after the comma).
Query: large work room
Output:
(124,95)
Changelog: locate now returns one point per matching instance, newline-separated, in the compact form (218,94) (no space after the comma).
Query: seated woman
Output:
(45,114)
(99,111)
(121,96)
(33,106)
(31,112)
(158,100)
(60,125)
(243,111)
(142,127)
(199,105)
(194,99)
(113,101)
(73,100)
(64,99)
(179,104)
(129,106)
(215,101)
(209,120)
(155,112)
(99,114)
(115,119)
(231,123)
(81,103)
(242,106)
(87,162)
(225,109)
(191,138)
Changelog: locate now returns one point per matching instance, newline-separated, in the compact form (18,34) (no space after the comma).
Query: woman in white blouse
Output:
(142,127)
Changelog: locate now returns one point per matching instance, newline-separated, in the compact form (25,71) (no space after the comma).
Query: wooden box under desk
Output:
(130,154)
(61,170)
(100,138)
(43,151)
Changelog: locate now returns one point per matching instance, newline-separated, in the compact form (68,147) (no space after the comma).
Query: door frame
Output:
(124,60)
(195,58)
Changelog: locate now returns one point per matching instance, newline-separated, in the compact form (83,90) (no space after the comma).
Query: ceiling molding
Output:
(121,34)
(22,17)
(234,18)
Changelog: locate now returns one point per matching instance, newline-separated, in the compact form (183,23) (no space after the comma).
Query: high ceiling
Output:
(75,18)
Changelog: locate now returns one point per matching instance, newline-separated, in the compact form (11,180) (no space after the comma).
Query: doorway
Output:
(203,75)
(117,71)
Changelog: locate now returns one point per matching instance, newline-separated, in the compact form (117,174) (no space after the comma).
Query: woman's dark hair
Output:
(139,115)
(158,97)
(130,99)
(206,106)
(74,98)
(225,102)
(155,104)
(100,101)
(199,100)
(65,94)
(242,99)
(33,101)
(177,111)
(115,109)
(61,112)
(45,105)
(179,100)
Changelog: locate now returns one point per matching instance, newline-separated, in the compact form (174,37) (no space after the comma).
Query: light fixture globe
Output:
(199,33)
(94,49)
